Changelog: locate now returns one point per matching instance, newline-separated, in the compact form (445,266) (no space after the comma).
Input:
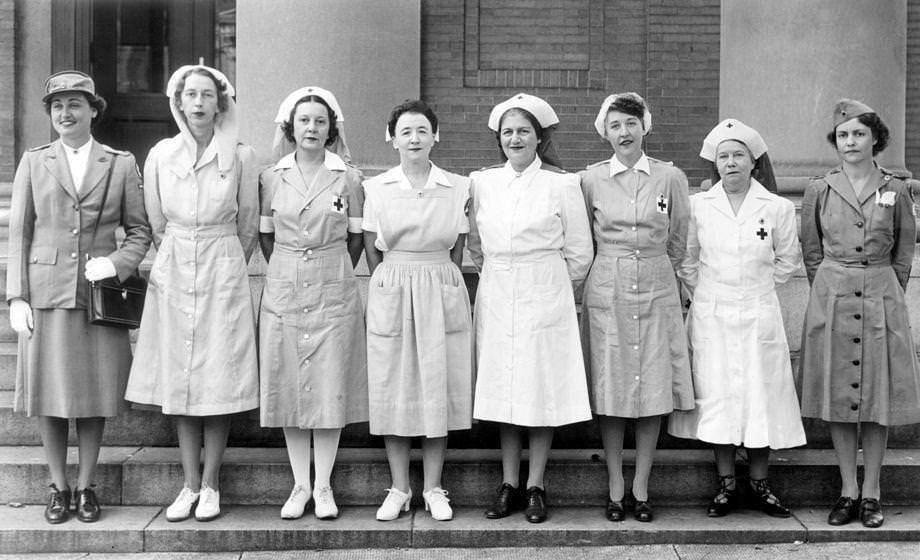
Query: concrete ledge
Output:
(245,528)
(120,529)
(261,528)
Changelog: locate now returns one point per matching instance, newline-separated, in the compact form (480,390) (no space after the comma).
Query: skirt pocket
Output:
(385,310)
(456,308)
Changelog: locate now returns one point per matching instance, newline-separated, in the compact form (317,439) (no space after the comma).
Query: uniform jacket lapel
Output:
(757,197)
(719,201)
(841,185)
(324,179)
(97,169)
(56,164)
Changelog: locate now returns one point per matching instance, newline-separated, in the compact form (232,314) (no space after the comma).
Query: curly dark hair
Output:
(411,106)
(222,96)
(880,132)
(629,106)
(288,126)
(97,102)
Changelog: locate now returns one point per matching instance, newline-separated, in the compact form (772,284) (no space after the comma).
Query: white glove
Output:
(21,316)
(99,268)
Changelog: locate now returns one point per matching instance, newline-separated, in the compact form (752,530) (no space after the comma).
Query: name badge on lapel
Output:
(761,232)
(661,205)
(338,204)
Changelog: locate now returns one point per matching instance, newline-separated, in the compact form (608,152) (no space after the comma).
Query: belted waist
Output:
(416,257)
(309,252)
(729,292)
(198,232)
(877,262)
(614,249)
(533,257)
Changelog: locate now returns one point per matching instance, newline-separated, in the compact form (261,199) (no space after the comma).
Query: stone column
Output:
(785,62)
(366,52)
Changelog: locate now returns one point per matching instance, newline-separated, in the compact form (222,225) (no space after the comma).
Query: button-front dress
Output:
(529,235)
(632,326)
(742,376)
(313,370)
(858,358)
(419,330)
(196,351)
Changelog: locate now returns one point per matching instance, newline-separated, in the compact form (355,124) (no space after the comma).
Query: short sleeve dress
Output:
(632,325)
(742,375)
(419,329)
(312,349)
(529,235)
(196,350)
(858,362)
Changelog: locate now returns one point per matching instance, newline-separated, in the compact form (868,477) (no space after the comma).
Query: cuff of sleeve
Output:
(355,225)
(266,224)
(367,226)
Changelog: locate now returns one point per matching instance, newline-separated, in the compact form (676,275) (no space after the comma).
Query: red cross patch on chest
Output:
(338,204)
(661,204)
(761,232)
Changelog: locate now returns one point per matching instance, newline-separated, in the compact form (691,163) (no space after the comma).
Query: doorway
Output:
(135,45)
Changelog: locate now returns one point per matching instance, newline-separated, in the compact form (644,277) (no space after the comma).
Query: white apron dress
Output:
(419,330)
(529,235)
(312,349)
(632,326)
(742,376)
(196,351)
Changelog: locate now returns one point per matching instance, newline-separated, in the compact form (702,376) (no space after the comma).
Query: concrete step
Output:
(152,476)
(124,530)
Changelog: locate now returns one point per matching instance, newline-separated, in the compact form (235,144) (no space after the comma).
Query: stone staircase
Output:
(139,473)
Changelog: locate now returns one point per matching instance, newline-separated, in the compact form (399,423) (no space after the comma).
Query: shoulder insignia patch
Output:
(597,164)
(547,167)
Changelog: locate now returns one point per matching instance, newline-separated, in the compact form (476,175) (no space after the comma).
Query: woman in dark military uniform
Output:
(859,367)
(68,368)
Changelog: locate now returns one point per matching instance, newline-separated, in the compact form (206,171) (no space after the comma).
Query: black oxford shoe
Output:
(58,508)
(643,512)
(88,509)
(535,512)
(845,510)
(870,513)
(615,510)
(507,500)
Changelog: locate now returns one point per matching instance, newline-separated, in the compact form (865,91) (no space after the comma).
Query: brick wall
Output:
(667,50)
(912,110)
(7,90)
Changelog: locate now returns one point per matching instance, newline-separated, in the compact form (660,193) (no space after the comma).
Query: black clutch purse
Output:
(112,303)
(117,304)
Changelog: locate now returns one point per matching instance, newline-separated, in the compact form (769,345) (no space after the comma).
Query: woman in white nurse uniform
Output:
(741,243)
(529,235)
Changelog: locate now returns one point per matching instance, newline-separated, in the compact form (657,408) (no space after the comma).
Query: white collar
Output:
(616,166)
(331,161)
(436,176)
(535,165)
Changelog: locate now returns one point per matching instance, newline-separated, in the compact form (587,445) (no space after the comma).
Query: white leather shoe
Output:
(395,502)
(181,508)
(324,503)
(437,503)
(208,504)
(296,503)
